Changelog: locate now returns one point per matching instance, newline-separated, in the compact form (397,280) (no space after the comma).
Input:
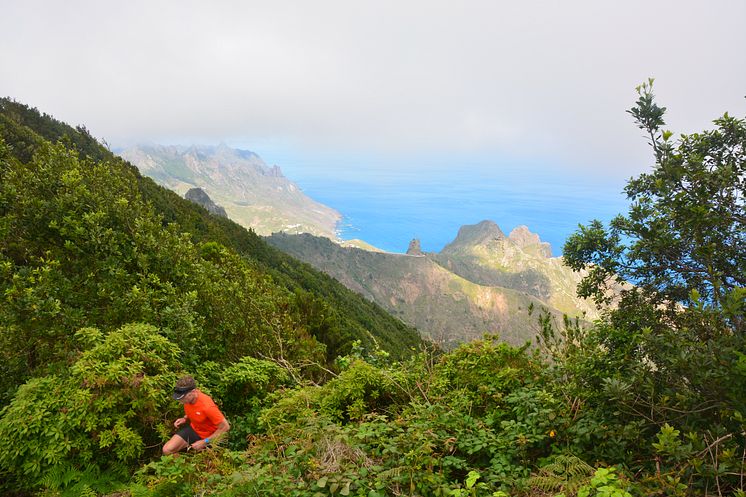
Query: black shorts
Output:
(189,435)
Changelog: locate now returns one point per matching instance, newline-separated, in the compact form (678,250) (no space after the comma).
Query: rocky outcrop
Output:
(200,197)
(415,248)
(524,239)
(482,254)
(475,234)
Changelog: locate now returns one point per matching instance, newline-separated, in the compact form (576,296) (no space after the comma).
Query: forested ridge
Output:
(346,317)
(112,287)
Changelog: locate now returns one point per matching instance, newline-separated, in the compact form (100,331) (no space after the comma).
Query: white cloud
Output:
(539,80)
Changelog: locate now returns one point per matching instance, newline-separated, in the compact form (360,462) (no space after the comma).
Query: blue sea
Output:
(388,208)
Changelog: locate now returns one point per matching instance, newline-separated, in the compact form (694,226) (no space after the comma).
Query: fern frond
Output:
(566,473)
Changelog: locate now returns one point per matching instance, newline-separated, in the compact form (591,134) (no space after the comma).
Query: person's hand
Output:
(199,445)
(179,422)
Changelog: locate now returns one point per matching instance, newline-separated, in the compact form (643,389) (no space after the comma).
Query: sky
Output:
(380,84)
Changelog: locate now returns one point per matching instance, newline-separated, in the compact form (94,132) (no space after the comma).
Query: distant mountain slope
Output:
(483,254)
(253,194)
(446,306)
(338,315)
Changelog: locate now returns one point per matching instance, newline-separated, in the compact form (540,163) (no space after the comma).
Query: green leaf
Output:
(346,489)
(472,478)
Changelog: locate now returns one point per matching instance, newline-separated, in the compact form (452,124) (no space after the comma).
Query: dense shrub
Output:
(82,248)
(104,412)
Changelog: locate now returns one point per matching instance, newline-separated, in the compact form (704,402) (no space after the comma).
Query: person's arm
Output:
(181,421)
(222,428)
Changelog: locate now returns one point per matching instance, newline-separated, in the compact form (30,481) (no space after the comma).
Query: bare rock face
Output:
(523,238)
(415,248)
(200,197)
(475,234)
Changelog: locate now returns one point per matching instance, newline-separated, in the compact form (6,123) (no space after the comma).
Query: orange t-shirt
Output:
(203,415)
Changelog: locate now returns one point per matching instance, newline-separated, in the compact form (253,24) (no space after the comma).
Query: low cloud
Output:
(545,81)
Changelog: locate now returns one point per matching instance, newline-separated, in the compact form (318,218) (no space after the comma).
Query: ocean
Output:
(388,208)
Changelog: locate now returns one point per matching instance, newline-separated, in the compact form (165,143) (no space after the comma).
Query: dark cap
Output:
(179,393)
(184,385)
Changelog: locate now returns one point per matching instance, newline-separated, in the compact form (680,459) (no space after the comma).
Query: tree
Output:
(669,357)
(683,240)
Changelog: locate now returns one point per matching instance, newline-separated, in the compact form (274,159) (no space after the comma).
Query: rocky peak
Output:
(523,238)
(414,247)
(224,148)
(476,234)
(200,197)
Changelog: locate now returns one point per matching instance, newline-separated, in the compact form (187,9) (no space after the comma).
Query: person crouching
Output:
(202,424)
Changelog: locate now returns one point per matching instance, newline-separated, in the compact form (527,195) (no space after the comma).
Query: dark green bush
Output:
(105,412)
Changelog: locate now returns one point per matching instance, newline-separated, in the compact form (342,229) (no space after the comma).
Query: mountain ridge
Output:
(475,234)
(255,195)
(458,294)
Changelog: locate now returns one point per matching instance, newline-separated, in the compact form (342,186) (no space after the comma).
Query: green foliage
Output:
(670,445)
(685,228)
(357,391)
(102,413)
(329,312)
(83,246)
(236,384)
(70,480)
(665,359)
(84,249)
(424,427)
(563,474)
(605,483)
(191,474)
(478,375)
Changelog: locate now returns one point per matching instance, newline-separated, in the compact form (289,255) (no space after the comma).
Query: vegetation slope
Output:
(253,194)
(330,313)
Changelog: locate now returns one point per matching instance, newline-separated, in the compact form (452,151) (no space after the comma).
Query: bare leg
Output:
(176,444)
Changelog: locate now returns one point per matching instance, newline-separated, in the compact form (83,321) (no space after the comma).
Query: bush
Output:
(357,391)
(103,413)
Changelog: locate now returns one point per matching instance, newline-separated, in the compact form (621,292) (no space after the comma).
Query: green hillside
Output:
(482,282)
(520,261)
(447,308)
(321,306)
